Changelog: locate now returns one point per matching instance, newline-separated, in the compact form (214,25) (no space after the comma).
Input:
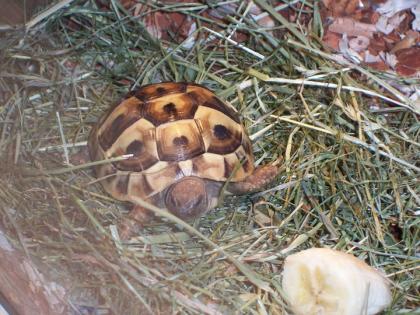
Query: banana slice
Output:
(322,281)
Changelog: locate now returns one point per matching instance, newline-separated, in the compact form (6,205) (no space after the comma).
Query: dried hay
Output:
(350,177)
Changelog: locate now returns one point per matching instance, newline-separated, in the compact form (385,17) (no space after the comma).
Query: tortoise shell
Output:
(171,131)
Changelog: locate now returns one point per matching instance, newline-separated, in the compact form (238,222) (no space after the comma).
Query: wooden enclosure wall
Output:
(15,12)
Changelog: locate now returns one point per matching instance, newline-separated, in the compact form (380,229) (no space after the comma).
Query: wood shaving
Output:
(416,22)
(391,7)
(390,59)
(348,52)
(408,41)
(371,58)
(359,43)
(388,25)
(343,7)
(352,28)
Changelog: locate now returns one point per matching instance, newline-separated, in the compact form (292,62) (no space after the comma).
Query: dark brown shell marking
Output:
(179,141)
(164,109)
(152,91)
(120,119)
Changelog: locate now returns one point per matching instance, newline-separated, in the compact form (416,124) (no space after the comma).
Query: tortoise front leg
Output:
(133,222)
(262,176)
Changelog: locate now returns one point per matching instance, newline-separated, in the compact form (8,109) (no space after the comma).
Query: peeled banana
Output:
(322,281)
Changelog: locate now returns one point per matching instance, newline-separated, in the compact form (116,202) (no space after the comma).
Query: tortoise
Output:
(184,145)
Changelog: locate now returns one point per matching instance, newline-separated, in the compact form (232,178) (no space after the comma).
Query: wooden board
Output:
(17,12)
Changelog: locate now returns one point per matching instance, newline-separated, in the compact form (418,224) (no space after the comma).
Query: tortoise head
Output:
(187,198)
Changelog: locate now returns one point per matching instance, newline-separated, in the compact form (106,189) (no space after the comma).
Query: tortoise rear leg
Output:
(262,176)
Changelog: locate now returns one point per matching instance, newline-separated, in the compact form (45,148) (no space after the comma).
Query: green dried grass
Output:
(349,175)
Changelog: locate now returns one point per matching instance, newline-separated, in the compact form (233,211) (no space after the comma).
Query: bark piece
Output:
(24,289)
